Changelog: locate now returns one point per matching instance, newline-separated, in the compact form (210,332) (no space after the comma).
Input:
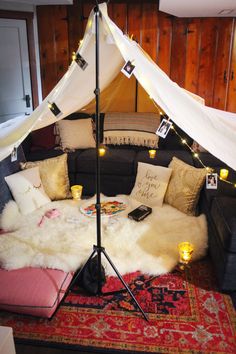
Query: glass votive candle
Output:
(152,153)
(224,173)
(101,151)
(76,191)
(185,252)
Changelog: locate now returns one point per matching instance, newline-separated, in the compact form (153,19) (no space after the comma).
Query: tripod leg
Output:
(124,283)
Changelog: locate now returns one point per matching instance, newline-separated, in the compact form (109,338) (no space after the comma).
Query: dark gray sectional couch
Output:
(118,173)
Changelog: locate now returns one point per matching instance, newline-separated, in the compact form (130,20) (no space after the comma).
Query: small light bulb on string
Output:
(73,56)
(195,154)
(183,141)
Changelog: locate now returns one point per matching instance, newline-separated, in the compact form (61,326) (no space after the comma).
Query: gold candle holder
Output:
(224,173)
(152,153)
(101,151)
(185,253)
(76,191)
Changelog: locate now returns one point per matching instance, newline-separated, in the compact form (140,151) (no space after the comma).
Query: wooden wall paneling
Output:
(118,14)
(53,41)
(75,25)
(178,51)
(149,42)
(192,55)
(222,70)
(149,29)
(134,14)
(165,38)
(46,44)
(207,59)
(87,7)
(61,46)
(231,99)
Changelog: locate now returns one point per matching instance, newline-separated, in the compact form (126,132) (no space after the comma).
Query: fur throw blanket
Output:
(65,240)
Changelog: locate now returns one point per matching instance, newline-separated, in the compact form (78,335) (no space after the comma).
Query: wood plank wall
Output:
(197,53)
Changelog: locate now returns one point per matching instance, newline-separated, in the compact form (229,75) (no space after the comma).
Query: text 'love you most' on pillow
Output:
(151,184)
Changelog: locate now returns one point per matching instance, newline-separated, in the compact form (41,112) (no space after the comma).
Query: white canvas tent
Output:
(214,129)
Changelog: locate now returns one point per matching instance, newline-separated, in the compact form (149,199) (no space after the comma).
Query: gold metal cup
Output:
(152,153)
(185,252)
(76,191)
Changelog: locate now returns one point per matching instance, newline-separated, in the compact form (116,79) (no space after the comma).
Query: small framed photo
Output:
(54,109)
(128,69)
(211,181)
(14,155)
(81,61)
(164,128)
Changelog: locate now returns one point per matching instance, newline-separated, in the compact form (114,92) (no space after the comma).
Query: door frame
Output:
(28,17)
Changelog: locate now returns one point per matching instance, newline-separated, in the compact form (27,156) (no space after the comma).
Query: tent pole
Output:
(98,249)
(98,182)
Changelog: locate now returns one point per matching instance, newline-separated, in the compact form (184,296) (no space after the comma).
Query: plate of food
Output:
(109,207)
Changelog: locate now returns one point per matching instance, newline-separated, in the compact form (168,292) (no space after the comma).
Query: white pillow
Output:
(151,184)
(76,134)
(27,190)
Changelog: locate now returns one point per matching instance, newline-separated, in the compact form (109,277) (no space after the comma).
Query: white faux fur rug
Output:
(65,242)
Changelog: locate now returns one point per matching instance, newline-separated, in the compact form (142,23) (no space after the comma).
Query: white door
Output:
(15,83)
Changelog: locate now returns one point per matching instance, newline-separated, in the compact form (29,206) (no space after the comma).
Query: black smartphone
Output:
(140,213)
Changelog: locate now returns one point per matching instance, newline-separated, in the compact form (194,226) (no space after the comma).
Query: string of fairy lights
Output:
(209,170)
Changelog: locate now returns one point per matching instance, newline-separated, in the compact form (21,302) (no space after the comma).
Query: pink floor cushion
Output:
(33,291)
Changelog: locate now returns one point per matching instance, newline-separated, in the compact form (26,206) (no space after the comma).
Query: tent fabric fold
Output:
(214,129)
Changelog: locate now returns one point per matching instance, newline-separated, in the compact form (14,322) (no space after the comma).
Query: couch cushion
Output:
(224,216)
(110,185)
(114,162)
(43,154)
(33,291)
(72,157)
(163,158)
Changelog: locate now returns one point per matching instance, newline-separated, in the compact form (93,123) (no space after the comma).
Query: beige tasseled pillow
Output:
(54,176)
(184,186)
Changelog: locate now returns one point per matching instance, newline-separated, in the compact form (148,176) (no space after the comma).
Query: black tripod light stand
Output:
(98,249)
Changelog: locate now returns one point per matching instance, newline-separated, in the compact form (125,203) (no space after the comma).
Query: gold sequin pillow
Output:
(54,176)
(184,186)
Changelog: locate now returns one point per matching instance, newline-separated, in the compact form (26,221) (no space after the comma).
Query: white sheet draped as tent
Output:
(214,129)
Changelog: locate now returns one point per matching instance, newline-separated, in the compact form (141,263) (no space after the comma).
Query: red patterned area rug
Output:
(186,315)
